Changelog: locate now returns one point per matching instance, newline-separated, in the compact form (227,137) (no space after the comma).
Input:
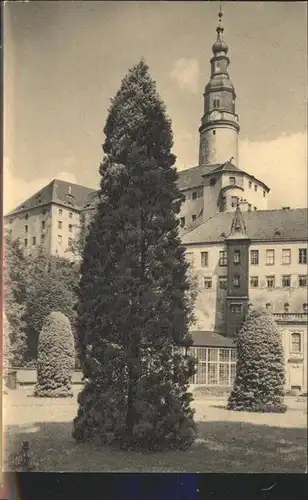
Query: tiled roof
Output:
(205,338)
(192,177)
(261,225)
(60,192)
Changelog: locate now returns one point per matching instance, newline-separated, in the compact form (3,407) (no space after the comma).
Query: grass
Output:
(227,441)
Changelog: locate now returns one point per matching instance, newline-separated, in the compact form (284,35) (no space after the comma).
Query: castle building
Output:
(240,252)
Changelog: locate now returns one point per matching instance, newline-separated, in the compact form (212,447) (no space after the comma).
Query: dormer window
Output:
(232,180)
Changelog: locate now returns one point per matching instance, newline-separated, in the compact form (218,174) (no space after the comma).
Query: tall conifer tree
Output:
(134,305)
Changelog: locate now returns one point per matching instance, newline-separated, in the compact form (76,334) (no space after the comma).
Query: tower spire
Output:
(219,123)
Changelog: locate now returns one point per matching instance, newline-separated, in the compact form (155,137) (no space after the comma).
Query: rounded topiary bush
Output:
(260,374)
(56,357)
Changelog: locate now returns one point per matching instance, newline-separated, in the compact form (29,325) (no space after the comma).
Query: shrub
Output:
(260,377)
(7,350)
(56,357)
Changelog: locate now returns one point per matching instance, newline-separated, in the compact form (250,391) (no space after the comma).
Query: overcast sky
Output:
(63,61)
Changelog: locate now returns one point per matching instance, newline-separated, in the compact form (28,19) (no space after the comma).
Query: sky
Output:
(64,61)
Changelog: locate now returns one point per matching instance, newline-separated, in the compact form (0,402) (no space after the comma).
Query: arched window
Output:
(296,342)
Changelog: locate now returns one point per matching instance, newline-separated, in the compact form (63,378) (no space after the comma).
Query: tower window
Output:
(236,308)
(232,180)
(234,201)
(237,257)
(264,193)
(256,187)
(216,103)
(34,240)
(236,281)
(214,132)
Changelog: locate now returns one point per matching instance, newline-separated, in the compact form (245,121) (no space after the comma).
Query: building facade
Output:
(240,252)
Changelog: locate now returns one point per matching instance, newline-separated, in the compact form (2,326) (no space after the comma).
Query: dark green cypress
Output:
(134,306)
(260,375)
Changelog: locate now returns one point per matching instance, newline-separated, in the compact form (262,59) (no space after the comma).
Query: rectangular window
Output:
(70,215)
(254,257)
(194,195)
(194,218)
(232,180)
(60,211)
(59,224)
(236,308)
(43,224)
(34,240)
(70,241)
(204,259)
(26,242)
(183,198)
(234,201)
(216,103)
(270,281)
(286,281)
(182,221)
(254,281)
(270,257)
(237,257)
(302,281)
(223,204)
(236,281)
(222,281)
(223,258)
(26,229)
(286,256)
(249,184)
(190,258)
(296,342)
(42,238)
(70,228)
(200,193)
(302,256)
(60,238)
(207,283)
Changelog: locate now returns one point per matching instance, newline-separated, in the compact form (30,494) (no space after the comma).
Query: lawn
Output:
(227,441)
